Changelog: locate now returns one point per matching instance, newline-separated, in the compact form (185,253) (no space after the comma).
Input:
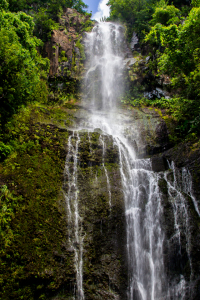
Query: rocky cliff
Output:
(64,49)
(36,247)
(57,172)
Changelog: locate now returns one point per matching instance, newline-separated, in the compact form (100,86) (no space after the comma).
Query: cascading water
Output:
(70,190)
(179,187)
(104,83)
(147,278)
(104,47)
(141,194)
(144,235)
(105,170)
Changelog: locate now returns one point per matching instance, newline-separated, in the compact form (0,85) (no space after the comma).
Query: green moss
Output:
(37,261)
(34,231)
(88,25)
(100,220)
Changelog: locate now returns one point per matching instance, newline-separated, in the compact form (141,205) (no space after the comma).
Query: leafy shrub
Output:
(166,15)
(44,24)
(4,150)
(23,70)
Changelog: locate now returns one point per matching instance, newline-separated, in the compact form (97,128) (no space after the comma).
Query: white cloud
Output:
(103,10)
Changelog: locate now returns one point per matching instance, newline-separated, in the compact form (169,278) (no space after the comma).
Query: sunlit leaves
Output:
(44,24)
(180,57)
(166,15)
(3,5)
(20,64)
(135,13)
(7,207)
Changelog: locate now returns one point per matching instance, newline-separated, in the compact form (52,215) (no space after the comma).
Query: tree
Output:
(21,67)
(165,14)
(44,24)
(135,13)
(3,5)
(53,6)
(179,58)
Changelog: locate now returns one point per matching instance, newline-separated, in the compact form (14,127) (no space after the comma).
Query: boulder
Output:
(159,164)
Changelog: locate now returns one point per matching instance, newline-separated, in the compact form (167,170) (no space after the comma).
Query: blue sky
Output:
(93,5)
(98,7)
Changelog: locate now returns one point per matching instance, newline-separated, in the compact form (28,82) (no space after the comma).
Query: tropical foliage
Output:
(21,67)
(53,6)
(135,13)
(24,27)
(179,40)
(170,30)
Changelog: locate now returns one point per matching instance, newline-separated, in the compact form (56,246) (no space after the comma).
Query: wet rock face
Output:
(180,224)
(101,210)
(161,139)
(180,221)
(59,42)
(187,155)
(162,134)
(134,42)
(159,164)
(141,78)
(144,129)
(91,151)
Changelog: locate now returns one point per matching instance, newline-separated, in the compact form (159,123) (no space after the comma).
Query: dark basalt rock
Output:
(182,254)
(159,164)
(41,244)
(187,154)
(162,134)
(105,265)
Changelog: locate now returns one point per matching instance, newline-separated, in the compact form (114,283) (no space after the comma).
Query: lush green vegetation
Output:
(34,111)
(32,155)
(46,13)
(24,28)
(169,32)
(31,181)
(22,69)
(137,14)
(179,40)
(53,7)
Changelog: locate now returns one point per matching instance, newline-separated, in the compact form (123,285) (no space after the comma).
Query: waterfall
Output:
(179,187)
(70,189)
(105,170)
(144,235)
(143,210)
(187,187)
(104,49)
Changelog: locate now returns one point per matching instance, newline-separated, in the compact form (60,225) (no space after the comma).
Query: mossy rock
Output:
(36,263)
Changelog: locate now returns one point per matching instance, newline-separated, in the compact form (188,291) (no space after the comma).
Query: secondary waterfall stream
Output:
(147,279)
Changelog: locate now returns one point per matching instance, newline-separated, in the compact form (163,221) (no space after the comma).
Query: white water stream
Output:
(104,82)
(142,197)
(72,206)
(105,170)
